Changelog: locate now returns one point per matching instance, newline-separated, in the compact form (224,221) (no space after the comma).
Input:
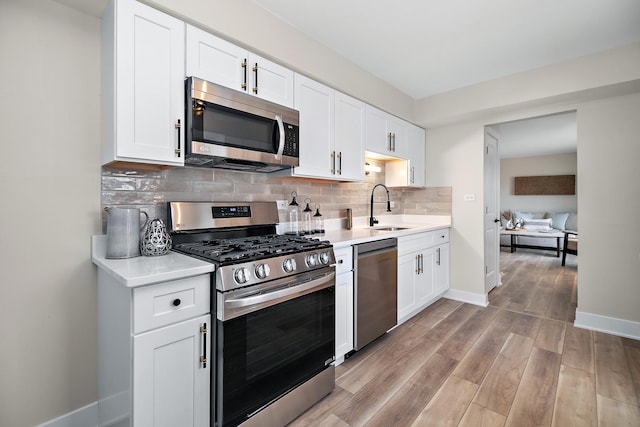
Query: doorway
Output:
(537,146)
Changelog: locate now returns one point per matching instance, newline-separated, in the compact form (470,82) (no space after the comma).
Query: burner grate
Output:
(249,248)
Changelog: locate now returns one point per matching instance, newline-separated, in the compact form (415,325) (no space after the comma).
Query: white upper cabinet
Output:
(410,172)
(315,102)
(416,147)
(218,61)
(331,132)
(386,134)
(349,137)
(143,85)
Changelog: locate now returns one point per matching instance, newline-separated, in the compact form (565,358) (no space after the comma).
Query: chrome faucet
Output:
(372,220)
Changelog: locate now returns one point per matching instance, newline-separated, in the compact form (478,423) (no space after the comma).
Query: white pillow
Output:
(537,224)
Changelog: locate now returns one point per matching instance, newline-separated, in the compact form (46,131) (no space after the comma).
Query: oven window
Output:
(233,128)
(266,353)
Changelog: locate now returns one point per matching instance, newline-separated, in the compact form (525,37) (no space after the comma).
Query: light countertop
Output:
(361,232)
(144,270)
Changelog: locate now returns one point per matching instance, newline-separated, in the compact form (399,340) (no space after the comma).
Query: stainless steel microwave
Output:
(233,130)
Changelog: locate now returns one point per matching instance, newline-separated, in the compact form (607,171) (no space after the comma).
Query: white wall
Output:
(50,193)
(454,156)
(609,203)
(586,78)
(559,164)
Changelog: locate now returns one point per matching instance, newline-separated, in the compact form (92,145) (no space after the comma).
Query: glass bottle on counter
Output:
(318,221)
(307,222)
(294,216)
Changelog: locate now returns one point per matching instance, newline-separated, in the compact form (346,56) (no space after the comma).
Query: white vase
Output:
(156,240)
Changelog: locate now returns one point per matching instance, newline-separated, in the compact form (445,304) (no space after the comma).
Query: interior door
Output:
(491,210)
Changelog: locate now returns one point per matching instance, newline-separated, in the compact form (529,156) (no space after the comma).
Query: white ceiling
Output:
(540,136)
(425,47)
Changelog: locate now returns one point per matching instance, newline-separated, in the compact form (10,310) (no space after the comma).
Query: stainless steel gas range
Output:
(275,309)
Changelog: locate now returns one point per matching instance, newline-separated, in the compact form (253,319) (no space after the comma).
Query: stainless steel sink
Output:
(390,228)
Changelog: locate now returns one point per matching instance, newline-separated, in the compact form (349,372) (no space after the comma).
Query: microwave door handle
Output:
(281,143)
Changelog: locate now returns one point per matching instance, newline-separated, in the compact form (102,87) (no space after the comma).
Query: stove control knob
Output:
(289,265)
(262,271)
(324,258)
(241,275)
(312,260)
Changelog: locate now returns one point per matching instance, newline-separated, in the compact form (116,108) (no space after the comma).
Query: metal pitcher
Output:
(123,231)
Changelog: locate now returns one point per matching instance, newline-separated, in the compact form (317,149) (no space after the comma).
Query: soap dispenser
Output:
(318,221)
(307,222)
(294,216)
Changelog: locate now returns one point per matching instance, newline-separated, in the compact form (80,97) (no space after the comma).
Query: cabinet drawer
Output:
(344,259)
(166,303)
(441,236)
(415,242)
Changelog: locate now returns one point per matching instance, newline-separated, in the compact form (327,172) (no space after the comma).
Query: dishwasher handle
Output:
(375,247)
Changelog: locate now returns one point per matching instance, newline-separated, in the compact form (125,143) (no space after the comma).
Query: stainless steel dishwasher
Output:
(375,289)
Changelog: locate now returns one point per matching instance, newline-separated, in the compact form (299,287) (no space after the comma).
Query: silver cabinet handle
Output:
(390,146)
(178,150)
(340,163)
(438,257)
(333,163)
(417,264)
(413,174)
(203,356)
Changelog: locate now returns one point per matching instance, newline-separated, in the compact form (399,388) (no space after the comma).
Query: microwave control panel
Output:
(290,140)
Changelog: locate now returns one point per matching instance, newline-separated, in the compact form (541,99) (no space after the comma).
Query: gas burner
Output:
(225,251)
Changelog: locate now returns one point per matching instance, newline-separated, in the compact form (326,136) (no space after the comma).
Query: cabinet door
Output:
(171,387)
(344,314)
(270,81)
(149,79)
(315,102)
(216,60)
(416,157)
(442,268)
(425,277)
(398,129)
(349,138)
(377,137)
(407,273)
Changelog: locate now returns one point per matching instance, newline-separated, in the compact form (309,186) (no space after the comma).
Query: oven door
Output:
(272,340)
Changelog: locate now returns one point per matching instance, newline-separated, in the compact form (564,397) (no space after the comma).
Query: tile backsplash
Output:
(150,190)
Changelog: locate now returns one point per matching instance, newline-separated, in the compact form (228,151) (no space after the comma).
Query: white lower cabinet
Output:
(154,352)
(170,381)
(423,271)
(442,268)
(344,302)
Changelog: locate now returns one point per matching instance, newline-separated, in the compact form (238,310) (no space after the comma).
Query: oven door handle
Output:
(256,302)
(281,142)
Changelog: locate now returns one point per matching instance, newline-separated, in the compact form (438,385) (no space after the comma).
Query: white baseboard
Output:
(469,297)
(609,325)
(87,416)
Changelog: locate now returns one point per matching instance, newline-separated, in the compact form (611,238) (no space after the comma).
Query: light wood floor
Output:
(518,362)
